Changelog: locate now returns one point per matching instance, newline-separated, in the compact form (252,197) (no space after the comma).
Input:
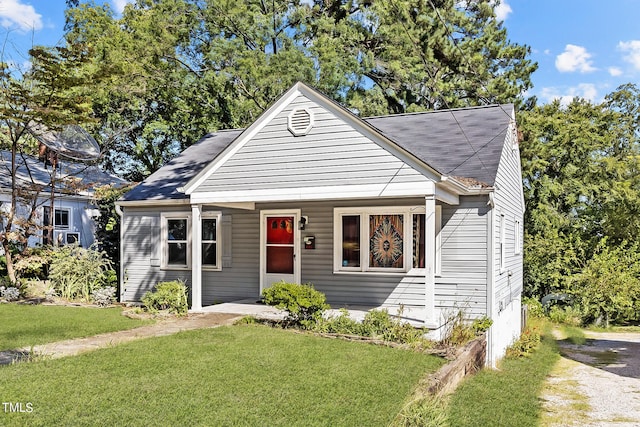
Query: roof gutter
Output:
(462,189)
(152,202)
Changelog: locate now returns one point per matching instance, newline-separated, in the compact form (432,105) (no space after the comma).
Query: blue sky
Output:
(584,48)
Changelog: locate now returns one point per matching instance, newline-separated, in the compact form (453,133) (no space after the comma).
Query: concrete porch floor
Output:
(251,307)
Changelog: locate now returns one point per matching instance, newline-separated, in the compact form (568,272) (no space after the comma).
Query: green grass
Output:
(227,376)
(508,396)
(29,325)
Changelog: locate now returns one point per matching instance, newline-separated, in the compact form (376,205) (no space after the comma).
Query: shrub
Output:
(340,324)
(303,304)
(534,307)
(104,296)
(526,344)
(10,293)
(170,296)
(456,330)
(75,272)
(481,325)
(379,323)
(568,315)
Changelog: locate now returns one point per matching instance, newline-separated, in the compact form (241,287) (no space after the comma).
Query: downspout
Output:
(120,213)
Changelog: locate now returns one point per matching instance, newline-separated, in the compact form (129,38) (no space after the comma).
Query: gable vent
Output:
(300,122)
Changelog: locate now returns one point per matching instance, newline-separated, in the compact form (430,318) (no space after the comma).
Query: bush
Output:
(566,315)
(10,293)
(534,307)
(75,272)
(526,344)
(170,296)
(303,304)
(104,296)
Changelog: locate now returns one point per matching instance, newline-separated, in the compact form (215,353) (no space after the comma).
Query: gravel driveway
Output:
(595,384)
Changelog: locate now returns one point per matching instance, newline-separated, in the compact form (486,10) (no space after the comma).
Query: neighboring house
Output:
(422,211)
(73,210)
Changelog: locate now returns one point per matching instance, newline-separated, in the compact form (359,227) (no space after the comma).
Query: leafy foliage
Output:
(171,296)
(526,344)
(303,304)
(76,272)
(377,324)
(9,293)
(104,297)
(581,167)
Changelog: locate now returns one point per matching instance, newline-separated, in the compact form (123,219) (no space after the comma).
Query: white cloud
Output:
(614,71)
(574,58)
(119,5)
(23,16)
(632,50)
(502,10)
(586,91)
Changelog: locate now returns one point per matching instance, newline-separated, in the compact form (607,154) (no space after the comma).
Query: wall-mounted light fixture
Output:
(303,222)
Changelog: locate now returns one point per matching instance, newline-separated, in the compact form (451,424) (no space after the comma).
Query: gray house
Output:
(421,211)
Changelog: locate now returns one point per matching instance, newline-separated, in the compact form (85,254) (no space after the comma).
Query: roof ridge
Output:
(448,110)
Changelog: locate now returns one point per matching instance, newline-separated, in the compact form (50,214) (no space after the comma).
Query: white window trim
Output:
(502,242)
(164,242)
(517,248)
(55,225)
(218,217)
(364,212)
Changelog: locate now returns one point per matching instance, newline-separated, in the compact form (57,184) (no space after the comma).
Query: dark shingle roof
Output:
(464,142)
(164,183)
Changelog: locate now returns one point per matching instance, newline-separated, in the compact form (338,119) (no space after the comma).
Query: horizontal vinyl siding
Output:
(331,154)
(508,202)
(463,282)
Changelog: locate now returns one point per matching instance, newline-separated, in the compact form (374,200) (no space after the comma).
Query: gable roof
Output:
(31,170)
(459,143)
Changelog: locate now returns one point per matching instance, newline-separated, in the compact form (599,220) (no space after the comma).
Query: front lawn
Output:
(236,375)
(28,325)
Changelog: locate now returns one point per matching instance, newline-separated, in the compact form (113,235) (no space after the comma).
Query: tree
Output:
(47,94)
(183,67)
(582,190)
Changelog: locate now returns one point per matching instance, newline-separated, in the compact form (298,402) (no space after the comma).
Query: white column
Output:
(196,257)
(430,260)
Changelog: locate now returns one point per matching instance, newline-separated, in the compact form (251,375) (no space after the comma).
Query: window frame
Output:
(364,213)
(517,249)
(218,217)
(502,251)
(164,240)
(56,209)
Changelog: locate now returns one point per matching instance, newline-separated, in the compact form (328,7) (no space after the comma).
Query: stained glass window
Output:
(386,242)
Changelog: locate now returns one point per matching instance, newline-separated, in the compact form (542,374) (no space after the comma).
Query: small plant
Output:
(526,344)
(50,294)
(170,296)
(534,307)
(10,293)
(424,411)
(456,330)
(104,297)
(481,325)
(246,320)
(303,303)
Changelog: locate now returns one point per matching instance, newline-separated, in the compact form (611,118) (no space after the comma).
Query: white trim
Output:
(164,242)
(430,268)
(196,255)
(407,212)
(295,131)
(417,189)
(501,244)
(295,213)
(218,217)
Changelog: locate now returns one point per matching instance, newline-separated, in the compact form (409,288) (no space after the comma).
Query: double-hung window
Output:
(211,254)
(176,231)
(381,239)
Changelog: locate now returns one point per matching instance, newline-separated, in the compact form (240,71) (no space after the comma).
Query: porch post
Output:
(430,259)
(196,257)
